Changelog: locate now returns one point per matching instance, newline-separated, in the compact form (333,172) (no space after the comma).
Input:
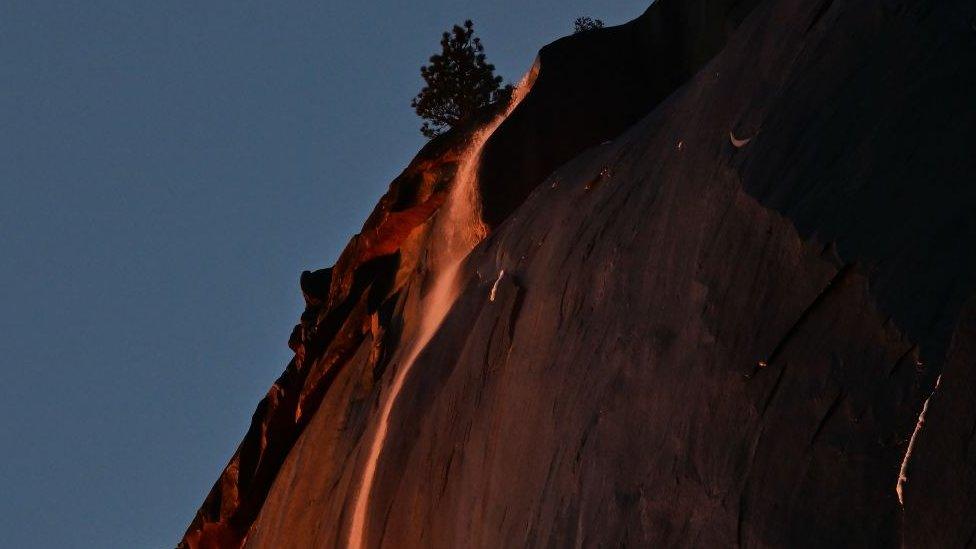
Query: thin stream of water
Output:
(460,229)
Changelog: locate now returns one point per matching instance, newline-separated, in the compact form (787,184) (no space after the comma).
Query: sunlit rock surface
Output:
(737,241)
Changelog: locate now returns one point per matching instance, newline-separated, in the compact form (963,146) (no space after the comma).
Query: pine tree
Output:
(460,83)
(584,24)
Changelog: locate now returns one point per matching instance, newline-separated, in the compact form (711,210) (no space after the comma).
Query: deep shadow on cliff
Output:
(717,329)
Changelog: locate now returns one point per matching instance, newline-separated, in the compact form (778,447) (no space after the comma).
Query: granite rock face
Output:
(730,261)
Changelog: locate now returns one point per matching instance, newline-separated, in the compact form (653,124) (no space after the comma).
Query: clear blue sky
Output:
(167,169)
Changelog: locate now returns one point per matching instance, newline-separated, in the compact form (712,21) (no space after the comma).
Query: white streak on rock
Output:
(903,472)
(494,287)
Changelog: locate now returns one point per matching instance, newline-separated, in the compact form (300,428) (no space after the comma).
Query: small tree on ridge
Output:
(583,24)
(460,83)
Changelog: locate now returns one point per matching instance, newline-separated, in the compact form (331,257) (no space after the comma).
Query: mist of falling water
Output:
(456,231)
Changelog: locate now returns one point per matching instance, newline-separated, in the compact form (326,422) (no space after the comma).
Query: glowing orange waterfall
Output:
(458,228)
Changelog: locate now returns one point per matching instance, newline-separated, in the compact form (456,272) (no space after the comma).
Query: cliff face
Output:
(729,262)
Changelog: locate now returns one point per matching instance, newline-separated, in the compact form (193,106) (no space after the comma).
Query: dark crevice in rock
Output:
(831,410)
(840,278)
(821,11)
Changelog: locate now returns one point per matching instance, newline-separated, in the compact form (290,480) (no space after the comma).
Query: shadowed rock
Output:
(718,329)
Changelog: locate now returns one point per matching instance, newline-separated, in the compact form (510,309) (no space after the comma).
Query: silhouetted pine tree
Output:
(460,83)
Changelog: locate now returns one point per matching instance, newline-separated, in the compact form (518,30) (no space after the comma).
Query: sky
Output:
(167,170)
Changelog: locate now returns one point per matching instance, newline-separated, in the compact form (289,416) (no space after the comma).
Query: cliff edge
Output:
(716,288)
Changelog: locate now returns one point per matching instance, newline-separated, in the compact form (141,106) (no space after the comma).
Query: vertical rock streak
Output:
(903,471)
(456,231)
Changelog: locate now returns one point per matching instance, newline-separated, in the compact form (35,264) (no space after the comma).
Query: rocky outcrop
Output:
(595,85)
(717,329)
(342,304)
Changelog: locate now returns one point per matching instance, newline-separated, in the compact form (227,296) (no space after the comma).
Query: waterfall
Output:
(457,229)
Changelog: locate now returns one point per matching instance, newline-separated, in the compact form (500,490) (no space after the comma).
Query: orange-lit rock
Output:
(338,301)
